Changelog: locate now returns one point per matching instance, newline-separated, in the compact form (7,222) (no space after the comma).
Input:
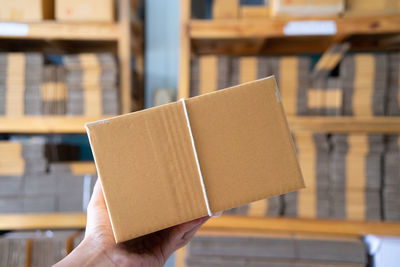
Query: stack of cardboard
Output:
(13,251)
(209,73)
(364,80)
(391,179)
(73,191)
(313,156)
(293,76)
(371,7)
(22,157)
(26,186)
(36,249)
(20,77)
(270,207)
(306,8)
(92,84)
(393,105)
(54,91)
(325,98)
(275,250)
(355,176)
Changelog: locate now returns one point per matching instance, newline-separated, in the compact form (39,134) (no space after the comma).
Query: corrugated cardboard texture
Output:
(147,167)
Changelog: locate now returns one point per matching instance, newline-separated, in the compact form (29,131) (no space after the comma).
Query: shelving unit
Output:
(125,36)
(267,36)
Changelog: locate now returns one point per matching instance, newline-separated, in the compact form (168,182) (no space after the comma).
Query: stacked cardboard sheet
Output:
(275,250)
(53,90)
(36,249)
(270,207)
(391,179)
(210,73)
(91,81)
(325,97)
(355,176)
(22,157)
(20,77)
(313,156)
(393,105)
(364,80)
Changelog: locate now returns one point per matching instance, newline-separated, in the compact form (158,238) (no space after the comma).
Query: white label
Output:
(13,29)
(310,27)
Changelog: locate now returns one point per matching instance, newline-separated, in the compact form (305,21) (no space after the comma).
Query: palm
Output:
(150,250)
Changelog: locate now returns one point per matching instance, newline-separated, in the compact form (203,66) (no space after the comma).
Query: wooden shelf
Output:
(45,125)
(260,225)
(345,124)
(71,124)
(267,28)
(61,31)
(42,221)
(225,223)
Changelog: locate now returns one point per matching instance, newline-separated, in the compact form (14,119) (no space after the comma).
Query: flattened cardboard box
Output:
(146,162)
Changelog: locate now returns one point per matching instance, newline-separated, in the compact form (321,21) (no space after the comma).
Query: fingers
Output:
(97,195)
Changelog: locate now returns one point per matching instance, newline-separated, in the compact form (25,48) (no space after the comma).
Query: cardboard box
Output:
(225,9)
(148,169)
(306,7)
(26,10)
(371,7)
(85,10)
(254,12)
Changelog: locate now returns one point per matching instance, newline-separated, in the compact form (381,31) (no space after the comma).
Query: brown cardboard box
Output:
(26,10)
(85,10)
(254,12)
(225,9)
(148,169)
(306,7)
(372,7)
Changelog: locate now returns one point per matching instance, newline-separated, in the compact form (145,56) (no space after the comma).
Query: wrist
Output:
(88,253)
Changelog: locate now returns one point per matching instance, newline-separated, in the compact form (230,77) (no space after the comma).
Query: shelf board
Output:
(75,124)
(225,223)
(42,221)
(294,225)
(45,124)
(269,28)
(60,31)
(345,124)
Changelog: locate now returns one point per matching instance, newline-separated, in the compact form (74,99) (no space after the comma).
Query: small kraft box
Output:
(85,10)
(26,10)
(307,7)
(196,157)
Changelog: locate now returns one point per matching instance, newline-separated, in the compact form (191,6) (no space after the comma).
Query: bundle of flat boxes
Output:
(275,250)
(27,186)
(347,176)
(37,248)
(366,85)
(91,80)
(391,179)
(313,155)
(53,91)
(86,84)
(20,79)
(210,73)
(355,174)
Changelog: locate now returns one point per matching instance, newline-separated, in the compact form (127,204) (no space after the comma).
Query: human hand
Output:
(98,248)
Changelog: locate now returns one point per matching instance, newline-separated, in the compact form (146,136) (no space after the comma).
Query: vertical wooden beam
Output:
(184,57)
(124,54)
